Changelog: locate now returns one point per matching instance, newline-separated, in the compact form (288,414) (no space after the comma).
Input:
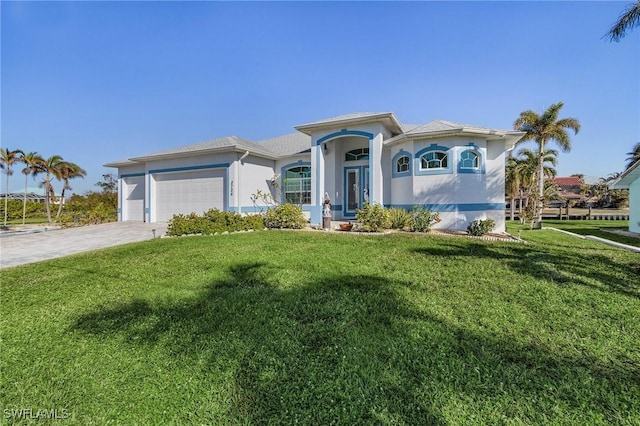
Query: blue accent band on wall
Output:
(464,207)
(126,175)
(344,132)
(262,209)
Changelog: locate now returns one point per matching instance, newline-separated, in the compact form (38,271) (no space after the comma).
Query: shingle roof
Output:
(442,126)
(214,144)
(292,143)
(568,182)
(352,116)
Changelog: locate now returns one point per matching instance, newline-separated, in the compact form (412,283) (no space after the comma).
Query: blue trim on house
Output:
(126,175)
(418,171)
(471,147)
(261,209)
(371,172)
(399,154)
(345,195)
(344,132)
(286,167)
(461,207)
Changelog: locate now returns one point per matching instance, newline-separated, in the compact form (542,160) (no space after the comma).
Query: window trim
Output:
(394,164)
(362,152)
(419,170)
(283,174)
(480,152)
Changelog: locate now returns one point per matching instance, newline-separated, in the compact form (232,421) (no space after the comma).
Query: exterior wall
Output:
(251,174)
(124,172)
(634,206)
(459,195)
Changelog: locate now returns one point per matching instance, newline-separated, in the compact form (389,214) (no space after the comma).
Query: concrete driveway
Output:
(22,248)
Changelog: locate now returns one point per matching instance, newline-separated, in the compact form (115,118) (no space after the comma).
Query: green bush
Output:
(99,213)
(373,218)
(480,227)
(15,209)
(285,215)
(211,222)
(422,219)
(399,218)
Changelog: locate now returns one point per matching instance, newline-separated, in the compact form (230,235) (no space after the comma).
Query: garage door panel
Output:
(133,205)
(187,192)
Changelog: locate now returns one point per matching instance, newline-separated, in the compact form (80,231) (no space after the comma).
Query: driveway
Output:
(23,248)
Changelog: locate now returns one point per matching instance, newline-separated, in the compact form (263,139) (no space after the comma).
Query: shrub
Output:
(373,218)
(480,227)
(422,219)
(285,215)
(211,222)
(99,213)
(399,218)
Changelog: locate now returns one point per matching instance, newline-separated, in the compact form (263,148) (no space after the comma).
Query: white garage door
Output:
(187,192)
(133,206)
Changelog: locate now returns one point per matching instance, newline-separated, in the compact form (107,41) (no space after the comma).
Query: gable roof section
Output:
(628,177)
(387,118)
(567,183)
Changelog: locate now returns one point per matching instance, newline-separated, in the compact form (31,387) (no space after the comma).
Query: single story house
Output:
(455,169)
(630,180)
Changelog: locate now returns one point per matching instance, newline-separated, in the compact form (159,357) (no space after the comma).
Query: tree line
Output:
(54,167)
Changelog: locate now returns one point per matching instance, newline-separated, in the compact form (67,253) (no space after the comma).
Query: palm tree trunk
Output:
(24,200)
(540,203)
(61,203)
(6,199)
(513,207)
(47,198)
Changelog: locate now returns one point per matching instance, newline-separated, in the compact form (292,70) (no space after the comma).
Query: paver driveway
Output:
(21,249)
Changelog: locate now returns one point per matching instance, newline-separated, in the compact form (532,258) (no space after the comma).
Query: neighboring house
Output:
(454,169)
(630,180)
(570,187)
(33,194)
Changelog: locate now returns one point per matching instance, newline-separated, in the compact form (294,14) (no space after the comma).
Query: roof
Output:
(224,143)
(354,118)
(292,143)
(568,182)
(628,177)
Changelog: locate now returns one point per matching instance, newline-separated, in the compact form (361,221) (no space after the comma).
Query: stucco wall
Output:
(634,206)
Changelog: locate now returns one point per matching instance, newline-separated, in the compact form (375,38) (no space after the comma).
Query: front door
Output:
(356,189)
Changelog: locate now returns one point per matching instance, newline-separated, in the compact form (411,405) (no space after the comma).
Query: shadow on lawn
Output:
(350,349)
(565,265)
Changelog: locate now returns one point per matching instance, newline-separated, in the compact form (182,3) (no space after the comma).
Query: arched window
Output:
(402,164)
(434,160)
(297,185)
(357,154)
(469,160)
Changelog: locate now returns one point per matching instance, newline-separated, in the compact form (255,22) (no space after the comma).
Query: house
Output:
(454,169)
(630,180)
(570,187)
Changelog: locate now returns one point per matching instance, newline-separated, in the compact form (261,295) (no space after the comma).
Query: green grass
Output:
(316,328)
(596,228)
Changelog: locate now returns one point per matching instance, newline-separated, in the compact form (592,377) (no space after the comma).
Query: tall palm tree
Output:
(32,166)
(633,156)
(629,18)
(68,171)
(7,159)
(512,182)
(52,169)
(542,129)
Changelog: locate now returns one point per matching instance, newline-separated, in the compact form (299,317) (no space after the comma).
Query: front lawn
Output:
(315,328)
(598,228)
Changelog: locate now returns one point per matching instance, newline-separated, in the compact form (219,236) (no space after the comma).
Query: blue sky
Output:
(101,81)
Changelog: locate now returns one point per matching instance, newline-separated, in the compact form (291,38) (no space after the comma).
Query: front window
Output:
(357,154)
(402,164)
(433,160)
(469,160)
(297,185)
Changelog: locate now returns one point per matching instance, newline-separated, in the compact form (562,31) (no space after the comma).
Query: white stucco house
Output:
(454,169)
(630,180)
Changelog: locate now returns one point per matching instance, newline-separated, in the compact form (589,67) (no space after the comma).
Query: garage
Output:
(133,191)
(187,192)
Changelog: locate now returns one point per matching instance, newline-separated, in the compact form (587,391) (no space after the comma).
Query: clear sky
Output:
(102,81)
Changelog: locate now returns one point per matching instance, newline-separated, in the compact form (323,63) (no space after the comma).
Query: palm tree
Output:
(527,169)
(512,182)
(52,168)
(68,171)
(629,18)
(32,166)
(542,129)
(633,156)
(7,159)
